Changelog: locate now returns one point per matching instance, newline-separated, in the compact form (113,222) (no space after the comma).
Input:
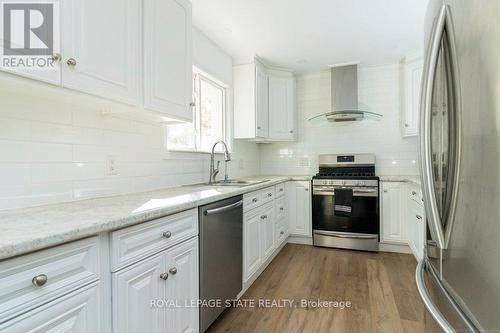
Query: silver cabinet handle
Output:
(164,276)
(56,57)
(39,280)
(173,270)
(167,234)
(418,217)
(71,62)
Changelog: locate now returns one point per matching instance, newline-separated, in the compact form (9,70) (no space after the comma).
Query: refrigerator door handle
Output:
(426,299)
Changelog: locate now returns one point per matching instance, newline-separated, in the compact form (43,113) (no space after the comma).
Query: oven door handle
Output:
(345,235)
(358,193)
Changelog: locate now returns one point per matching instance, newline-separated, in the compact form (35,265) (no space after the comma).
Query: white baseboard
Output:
(300,240)
(397,248)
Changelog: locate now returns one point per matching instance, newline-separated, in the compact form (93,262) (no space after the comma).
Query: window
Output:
(209,118)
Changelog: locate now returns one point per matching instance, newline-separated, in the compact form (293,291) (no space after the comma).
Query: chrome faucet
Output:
(213,171)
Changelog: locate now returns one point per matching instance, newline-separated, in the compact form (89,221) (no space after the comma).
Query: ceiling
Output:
(307,35)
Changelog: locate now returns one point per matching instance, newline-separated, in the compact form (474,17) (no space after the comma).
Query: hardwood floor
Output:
(380,286)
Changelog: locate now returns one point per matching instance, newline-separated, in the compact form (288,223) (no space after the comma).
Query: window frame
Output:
(198,76)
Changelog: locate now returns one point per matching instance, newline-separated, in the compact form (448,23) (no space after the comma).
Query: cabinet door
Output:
(416,228)
(261,101)
(281,107)
(78,312)
(266,232)
(299,208)
(182,286)
(133,290)
(413,79)
(167,57)
(101,47)
(251,244)
(392,220)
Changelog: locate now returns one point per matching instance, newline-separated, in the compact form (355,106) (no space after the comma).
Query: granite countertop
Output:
(415,179)
(29,229)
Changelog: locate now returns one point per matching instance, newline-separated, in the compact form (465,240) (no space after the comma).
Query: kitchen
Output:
(299,166)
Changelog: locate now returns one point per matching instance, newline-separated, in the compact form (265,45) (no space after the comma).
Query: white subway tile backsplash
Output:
(51,172)
(15,129)
(378,92)
(15,174)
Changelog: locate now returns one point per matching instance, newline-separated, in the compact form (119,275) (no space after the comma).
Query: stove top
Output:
(356,166)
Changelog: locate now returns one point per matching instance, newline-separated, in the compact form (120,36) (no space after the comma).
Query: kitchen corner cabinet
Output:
(392,226)
(299,207)
(412,78)
(167,57)
(264,103)
(129,51)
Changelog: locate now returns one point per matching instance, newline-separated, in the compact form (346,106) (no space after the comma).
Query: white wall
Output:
(378,92)
(53,150)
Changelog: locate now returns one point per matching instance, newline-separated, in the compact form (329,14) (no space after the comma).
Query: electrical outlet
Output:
(111,168)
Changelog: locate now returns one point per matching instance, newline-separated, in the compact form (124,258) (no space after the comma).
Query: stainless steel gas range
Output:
(345,202)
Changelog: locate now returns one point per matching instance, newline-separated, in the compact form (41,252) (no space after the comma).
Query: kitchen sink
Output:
(236,182)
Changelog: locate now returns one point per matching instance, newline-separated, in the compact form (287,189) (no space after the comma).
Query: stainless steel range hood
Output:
(344,97)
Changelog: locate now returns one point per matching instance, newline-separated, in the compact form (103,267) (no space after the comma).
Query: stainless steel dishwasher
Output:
(221,255)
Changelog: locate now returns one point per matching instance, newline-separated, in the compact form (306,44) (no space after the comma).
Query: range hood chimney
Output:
(344,97)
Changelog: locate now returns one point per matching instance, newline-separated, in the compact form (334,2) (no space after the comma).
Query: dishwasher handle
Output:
(223,209)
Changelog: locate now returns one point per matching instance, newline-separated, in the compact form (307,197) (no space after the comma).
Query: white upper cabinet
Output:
(412,79)
(261,101)
(281,105)
(100,48)
(264,103)
(167,57)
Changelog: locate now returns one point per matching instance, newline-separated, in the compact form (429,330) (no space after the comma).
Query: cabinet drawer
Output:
(267,195)
(137,242)
(252,200)
(280,190)
(280,209)
(66,267)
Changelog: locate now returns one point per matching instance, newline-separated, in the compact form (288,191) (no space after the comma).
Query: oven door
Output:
(363,220)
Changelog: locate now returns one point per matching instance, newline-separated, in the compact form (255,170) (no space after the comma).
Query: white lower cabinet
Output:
(251,244)
(77,312)
(415,219)
(266,232)
(392,226)
(298,195)
(154,294)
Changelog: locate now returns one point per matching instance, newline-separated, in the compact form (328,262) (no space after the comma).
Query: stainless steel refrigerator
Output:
(459,279)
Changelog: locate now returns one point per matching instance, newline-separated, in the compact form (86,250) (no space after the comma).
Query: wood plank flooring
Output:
(380,286)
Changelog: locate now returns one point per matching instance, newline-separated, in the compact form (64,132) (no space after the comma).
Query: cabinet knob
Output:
(291,132)
(385,191)
(406,125)
(413,193)
(269,194)
(192,104)
(164,276)
(173,270)
(282,209)
(307,190)
(281,233)
(263,217)
(255,200)
(281,190)
(418,217)
(167,234)
(39,280)
(258,127)
(56,57)
(71,62)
